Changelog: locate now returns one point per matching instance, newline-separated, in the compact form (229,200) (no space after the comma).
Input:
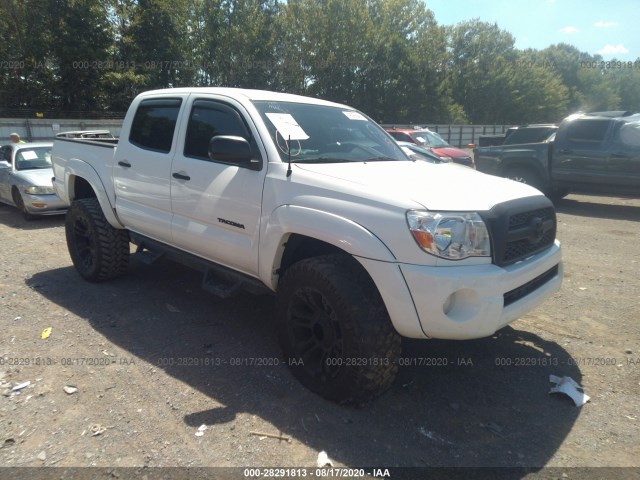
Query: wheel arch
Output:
(530,164)
(82,181)
(294,233)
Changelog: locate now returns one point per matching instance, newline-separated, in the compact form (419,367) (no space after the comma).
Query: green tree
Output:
(157,40)
(27,78)
(481,69)
(80,52)
(627,84)
(404,76)
(536,92)
(245,56)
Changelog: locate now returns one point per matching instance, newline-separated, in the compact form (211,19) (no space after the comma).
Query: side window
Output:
(209,119)
(5,154)
(154,124)
(587,131)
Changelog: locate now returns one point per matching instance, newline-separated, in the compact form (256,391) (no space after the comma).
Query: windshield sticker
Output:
(287,126)
(29,155)
(354,115)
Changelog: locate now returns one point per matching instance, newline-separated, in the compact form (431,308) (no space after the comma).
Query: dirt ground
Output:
(152,358)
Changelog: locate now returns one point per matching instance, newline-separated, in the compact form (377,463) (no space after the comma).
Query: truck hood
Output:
(433,186)
(40,177)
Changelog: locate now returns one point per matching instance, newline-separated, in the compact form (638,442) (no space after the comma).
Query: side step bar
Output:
(219,280)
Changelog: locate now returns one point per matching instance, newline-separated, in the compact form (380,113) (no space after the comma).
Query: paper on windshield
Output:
(29,155)
(287,126)
(354,115)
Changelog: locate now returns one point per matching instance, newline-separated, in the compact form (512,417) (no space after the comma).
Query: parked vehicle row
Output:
(431,140)
(589,153)
(25,179)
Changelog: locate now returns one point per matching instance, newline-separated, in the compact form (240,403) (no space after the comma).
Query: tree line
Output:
(389,58)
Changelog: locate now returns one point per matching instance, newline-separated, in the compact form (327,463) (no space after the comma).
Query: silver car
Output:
(25,179)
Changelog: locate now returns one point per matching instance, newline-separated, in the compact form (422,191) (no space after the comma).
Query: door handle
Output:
(124,163)
(180,176)
(566,151)
(619,155)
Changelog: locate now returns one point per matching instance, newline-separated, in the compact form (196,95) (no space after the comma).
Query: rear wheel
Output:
(98,251)
(335,330)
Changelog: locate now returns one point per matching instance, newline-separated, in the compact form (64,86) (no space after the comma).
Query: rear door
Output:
(143,167)
(216,205)
(581,155)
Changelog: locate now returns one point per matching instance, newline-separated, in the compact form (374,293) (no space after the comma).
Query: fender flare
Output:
(76,167)
(285,220)
(530,163)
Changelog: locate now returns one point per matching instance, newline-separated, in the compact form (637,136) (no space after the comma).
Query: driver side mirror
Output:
(234,150)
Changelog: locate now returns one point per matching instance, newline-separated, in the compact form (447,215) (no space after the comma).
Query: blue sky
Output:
(607,27)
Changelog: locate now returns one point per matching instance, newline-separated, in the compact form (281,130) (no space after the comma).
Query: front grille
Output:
(520,228)
(524,290)
(522,225)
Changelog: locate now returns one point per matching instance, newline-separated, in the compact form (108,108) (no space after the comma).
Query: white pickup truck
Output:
(311,200)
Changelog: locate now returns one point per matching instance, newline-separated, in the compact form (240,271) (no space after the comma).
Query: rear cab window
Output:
(587,133)
(154,124)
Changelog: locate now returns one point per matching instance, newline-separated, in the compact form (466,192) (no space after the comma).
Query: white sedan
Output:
(25,179)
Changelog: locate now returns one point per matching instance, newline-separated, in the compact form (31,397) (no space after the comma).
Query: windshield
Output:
(320,134)
(430,139)
(33,158)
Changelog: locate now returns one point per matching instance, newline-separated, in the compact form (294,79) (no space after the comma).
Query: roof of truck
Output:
(622,115)
(249,94)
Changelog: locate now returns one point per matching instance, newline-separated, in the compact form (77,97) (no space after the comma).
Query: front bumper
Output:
(465,302)
(44,204)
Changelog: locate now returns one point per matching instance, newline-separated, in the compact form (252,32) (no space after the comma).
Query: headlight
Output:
(33,190)
(450,235)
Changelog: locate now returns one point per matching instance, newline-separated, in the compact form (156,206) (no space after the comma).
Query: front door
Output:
(216,205)
(624,160)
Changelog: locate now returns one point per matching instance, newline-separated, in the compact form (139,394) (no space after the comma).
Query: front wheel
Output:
(335,331)
(19,201)
(558,194)
(98,251)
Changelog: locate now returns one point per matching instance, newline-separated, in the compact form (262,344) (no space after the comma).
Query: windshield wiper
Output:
(381,159)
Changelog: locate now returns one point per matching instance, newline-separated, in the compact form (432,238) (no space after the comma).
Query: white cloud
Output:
(613,49)
(605,24)
(569,29)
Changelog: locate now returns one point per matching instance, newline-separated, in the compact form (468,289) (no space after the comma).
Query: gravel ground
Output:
(151,371)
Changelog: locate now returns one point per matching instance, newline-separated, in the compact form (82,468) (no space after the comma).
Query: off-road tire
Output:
(335,331)
(98,251)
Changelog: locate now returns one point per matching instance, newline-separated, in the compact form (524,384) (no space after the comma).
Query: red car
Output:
(427,138)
